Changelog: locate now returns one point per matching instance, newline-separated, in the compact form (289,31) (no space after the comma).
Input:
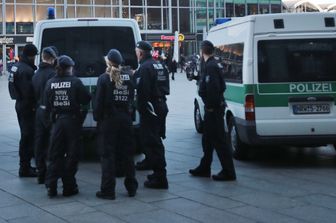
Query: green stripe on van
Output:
(236,93)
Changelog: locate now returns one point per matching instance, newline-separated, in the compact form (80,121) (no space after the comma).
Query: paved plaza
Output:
(277,185)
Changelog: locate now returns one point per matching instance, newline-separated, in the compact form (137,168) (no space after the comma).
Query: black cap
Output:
(115,56)
(144,45)
(30,50)
(49,51)
(65,61)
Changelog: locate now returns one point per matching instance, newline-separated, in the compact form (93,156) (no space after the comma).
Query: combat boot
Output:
(222,176)
(104,195)
(27,172)
(67,192)
(143,165)
(52,192)
(131,185)
(157,183)
(200,172)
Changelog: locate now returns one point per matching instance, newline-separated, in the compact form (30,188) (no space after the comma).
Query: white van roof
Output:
(292,22)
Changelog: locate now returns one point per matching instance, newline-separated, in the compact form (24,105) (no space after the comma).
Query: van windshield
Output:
(297,60)
(87,46)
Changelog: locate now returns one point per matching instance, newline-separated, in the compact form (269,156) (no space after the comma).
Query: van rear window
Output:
(88,46)
(296,60)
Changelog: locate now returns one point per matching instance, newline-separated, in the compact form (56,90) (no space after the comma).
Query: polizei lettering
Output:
(310,87)
(60,85)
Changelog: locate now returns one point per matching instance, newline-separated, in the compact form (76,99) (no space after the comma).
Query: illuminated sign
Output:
(172,38)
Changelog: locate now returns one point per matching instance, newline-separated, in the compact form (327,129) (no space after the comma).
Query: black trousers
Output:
(118,144)
(151,130)
(214,137)
(26,119)
(64,152)
(42,135)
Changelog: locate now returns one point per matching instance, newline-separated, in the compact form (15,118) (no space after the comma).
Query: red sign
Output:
(167,38)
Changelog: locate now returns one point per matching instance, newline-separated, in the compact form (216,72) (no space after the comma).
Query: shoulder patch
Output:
(14,68)
(125,77)
(220,65)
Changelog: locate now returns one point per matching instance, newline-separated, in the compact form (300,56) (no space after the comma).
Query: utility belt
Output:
(56,116)
(118,109)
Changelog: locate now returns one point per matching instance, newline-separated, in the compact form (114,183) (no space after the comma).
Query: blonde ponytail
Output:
(114,73)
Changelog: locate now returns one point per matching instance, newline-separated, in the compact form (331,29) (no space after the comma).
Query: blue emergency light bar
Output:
(221,20)
(51,13)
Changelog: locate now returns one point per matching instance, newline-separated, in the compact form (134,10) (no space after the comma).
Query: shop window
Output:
(1,19)
(153,2)
(252,8)
(139,16)
(239,7)
(126,13)
(174,19)
(165,3)
(83,2)
(184,3)
(82,11)
(220,4)
(9,19)
(115,2)
(103,2)
(185,21)
(220,12)
(154,18)
(137,2)
(264,6)
(276,8)
(103,12)
(165,18)
(24,28)
(24,1)
(229,8)
(70,12)
(59,12)
(44,1)
(41,12)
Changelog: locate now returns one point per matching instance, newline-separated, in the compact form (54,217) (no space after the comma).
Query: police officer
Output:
(21,89)
(64,94)
(152,88)
(211,90)
(42,125)
(112,111)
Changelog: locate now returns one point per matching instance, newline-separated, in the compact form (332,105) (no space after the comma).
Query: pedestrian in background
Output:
(64,95)
(112,110)
(45,72)
(211,90)
(21,89)
(152,88)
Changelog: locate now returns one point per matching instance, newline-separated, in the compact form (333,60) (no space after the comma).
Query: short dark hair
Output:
(207,47)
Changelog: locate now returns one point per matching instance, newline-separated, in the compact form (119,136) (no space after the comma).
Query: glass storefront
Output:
(155,17)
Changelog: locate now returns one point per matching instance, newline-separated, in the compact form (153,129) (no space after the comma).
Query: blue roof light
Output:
(51,13)
(222,20)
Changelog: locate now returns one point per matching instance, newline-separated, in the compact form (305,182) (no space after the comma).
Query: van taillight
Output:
(249,108)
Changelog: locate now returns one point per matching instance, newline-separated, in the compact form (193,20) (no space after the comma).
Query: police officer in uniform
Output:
(152,88)
(21,89)
(211,90)
(42,124)
(64,94)
(112,111)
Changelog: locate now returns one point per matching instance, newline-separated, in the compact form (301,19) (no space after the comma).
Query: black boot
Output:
(222,176)
(143,165)
(67,192)
(157,183)
(27,172)
(200,172)
(131,185)
(52,192)
(104,195)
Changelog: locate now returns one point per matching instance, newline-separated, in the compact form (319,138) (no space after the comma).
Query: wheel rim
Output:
(233,136)
(198,118)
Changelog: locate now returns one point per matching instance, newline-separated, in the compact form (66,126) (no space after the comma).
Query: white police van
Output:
(281,83)
(87,41)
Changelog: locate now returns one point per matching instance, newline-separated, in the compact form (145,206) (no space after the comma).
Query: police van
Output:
(280,71)
(87,41)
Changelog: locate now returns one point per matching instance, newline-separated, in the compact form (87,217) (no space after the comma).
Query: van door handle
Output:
(310,99)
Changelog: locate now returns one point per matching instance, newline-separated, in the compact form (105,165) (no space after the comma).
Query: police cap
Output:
(144,45)
(30,50)
(115,56)
(65,61)
(50,52)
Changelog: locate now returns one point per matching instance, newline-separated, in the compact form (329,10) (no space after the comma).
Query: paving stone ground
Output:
(283,184)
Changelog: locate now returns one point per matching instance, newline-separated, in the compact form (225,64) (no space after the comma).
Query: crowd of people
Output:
(48,106)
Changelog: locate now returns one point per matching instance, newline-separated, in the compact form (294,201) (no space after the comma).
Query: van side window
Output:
(231,57)
(296,60)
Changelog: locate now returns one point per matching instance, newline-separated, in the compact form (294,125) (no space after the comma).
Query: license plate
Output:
(300,109)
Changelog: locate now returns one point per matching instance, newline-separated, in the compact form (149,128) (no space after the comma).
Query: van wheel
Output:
(239,149)
(198,118)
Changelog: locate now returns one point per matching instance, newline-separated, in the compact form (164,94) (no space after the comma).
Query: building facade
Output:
(157,19)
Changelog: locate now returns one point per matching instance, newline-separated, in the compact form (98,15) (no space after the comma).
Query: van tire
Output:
(198,118)
(240,150)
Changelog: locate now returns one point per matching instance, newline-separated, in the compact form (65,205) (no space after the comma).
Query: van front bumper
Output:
(248,134)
